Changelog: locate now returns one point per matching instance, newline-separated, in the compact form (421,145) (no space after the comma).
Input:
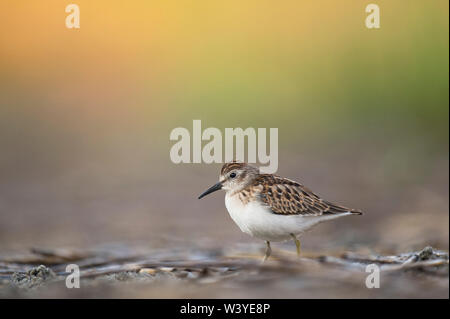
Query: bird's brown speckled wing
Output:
(287,197)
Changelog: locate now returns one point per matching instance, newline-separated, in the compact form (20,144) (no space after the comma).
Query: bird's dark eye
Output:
(233,175)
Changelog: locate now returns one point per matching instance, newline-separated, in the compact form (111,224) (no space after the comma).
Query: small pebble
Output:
(150,271)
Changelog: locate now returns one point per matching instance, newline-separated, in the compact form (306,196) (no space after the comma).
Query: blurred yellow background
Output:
(85,114)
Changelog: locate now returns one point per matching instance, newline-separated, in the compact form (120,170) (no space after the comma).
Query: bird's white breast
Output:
(257,220)
(237,210)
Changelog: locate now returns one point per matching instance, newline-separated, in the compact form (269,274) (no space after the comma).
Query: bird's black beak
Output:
(212,189)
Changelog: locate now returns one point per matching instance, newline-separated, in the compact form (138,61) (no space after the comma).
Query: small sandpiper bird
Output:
(270,207)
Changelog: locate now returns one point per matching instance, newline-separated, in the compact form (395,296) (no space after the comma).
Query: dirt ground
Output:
(208,272)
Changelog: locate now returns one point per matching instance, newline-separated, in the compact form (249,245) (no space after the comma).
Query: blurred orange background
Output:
(85,116)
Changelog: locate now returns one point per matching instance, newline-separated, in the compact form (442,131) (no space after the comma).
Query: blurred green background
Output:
(85,116)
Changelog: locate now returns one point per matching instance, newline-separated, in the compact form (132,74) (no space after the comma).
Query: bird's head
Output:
(234,176)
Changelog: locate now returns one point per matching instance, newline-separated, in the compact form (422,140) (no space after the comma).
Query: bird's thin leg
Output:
(297,243)
(268,251)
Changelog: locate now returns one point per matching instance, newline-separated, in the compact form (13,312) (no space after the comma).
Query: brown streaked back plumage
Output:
(287,197)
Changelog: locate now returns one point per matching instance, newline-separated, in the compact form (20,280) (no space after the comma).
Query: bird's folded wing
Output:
(287,197)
